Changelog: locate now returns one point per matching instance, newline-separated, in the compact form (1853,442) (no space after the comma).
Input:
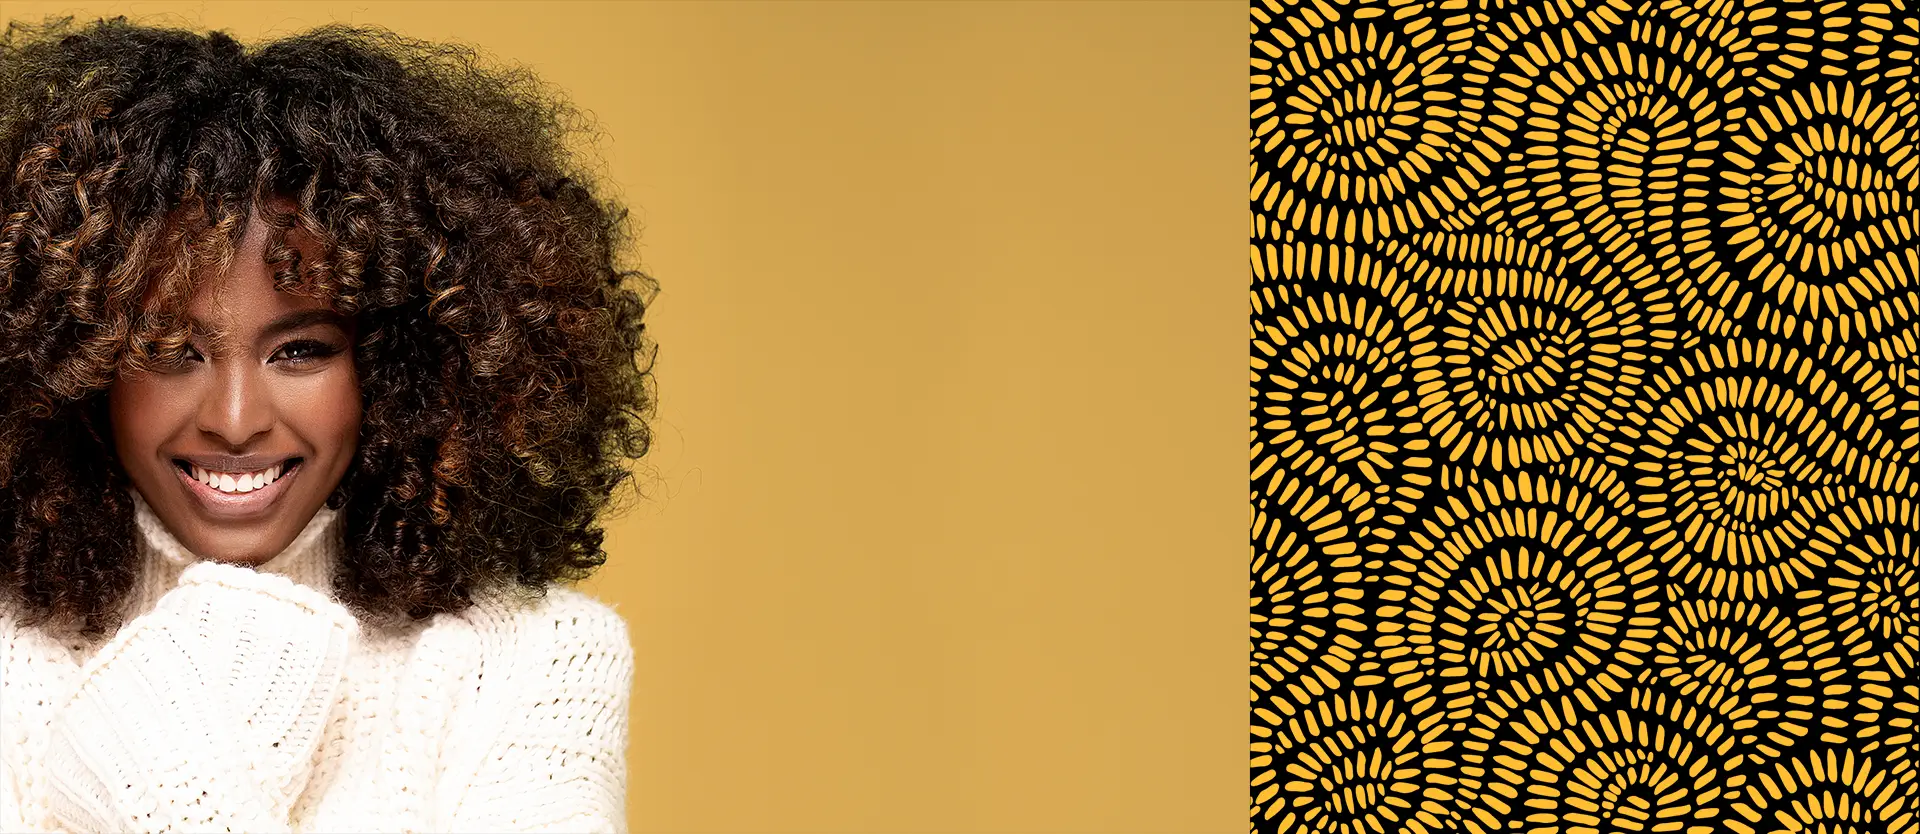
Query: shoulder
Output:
(563,614)
(565,633)
(542,718)
(23,646)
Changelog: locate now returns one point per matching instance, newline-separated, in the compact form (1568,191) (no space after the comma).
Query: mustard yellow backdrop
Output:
(944,526)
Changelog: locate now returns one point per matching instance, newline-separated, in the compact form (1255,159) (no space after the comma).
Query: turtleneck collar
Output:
(309,560)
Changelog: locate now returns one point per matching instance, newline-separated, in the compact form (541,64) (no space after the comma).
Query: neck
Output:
(308,560)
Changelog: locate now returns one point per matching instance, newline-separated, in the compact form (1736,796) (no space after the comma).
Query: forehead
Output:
(239,296)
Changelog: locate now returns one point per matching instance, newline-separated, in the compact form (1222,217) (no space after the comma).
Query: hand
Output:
(205,711)
(280,651)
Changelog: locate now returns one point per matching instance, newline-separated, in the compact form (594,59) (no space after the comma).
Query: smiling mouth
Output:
(237,493)
(238,483)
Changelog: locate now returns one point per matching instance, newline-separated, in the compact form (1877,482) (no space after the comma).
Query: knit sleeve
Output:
(542,723)
(202,714)
(32,671)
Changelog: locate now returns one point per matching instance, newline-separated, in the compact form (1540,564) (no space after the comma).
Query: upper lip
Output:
(235,463)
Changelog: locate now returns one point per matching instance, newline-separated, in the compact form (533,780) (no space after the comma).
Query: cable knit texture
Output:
(248,699)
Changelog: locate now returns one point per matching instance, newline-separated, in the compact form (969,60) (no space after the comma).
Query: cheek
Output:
(326,411)
(144,411)
(345,419)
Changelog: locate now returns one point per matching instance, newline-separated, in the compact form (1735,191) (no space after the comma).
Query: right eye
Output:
(176,358)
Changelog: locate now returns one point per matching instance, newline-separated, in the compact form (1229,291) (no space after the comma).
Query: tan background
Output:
(944,525)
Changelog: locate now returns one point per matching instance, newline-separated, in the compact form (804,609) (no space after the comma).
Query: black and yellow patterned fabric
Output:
(1585,416)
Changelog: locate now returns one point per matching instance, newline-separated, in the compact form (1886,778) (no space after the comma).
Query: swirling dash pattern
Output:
(1584,416)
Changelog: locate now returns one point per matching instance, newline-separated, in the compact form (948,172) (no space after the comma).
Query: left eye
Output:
(304,350)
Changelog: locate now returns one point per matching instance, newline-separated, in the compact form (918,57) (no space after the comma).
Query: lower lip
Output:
(237,505)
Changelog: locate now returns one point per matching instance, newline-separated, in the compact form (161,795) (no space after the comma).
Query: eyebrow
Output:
(295,321)
(304,318)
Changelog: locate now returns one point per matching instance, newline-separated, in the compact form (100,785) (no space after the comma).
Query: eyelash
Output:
(314,351)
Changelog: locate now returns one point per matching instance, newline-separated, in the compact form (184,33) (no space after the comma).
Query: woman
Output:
(316,371)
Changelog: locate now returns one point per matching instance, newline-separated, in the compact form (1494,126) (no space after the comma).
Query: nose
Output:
(237,407)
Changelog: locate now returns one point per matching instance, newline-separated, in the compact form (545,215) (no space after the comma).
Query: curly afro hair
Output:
(502,359)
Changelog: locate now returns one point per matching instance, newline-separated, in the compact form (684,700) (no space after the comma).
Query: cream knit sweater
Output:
(243,699)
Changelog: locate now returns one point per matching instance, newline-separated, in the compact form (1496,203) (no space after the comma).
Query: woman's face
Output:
(238,444)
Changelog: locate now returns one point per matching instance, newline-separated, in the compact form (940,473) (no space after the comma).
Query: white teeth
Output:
(237,483)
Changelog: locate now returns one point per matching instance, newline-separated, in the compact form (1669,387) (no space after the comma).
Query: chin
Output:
(251,552)
(235,546)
